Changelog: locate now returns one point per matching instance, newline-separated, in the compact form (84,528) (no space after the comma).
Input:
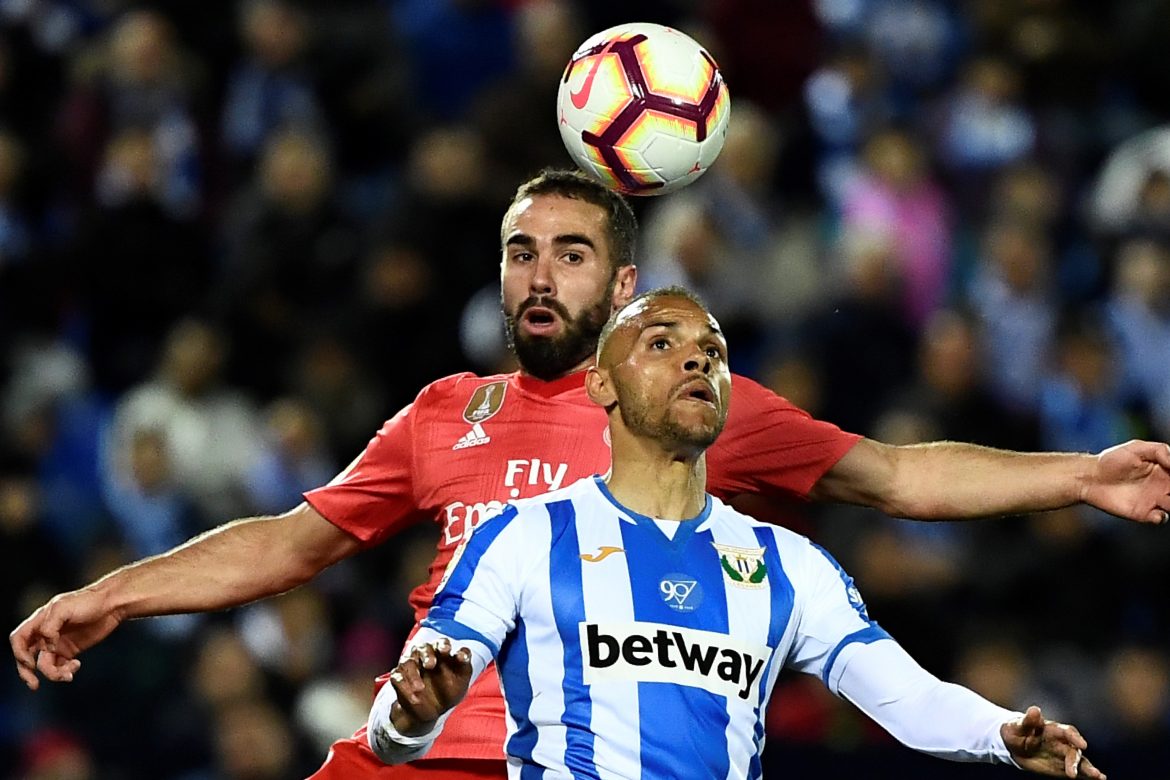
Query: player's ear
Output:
(625,280)
(599,387)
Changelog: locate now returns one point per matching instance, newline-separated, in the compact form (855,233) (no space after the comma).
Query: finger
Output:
(1089,771)
(1161,454)
(1157,516)
(1033,720)
(51,624)
(426,656)
(1072,763)
(408,682)
(56,667)
(1073,736)
(443,646)
(28,676)
(21,641)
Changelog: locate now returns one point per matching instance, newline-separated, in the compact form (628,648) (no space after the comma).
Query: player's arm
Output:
(952,722)
(234,564)
(856,659)
(950,480)
(475,608)
(432,677)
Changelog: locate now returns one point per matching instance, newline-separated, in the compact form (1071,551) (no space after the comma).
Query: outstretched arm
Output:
(949,721)
(950,480)
(234,564)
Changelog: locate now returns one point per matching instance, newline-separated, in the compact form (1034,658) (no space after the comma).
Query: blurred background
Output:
(235,237)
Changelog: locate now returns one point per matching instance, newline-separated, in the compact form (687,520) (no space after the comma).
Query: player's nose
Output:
(696,359)
(541,282)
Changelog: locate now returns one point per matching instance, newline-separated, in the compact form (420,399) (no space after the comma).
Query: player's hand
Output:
(1048,748)
(50,639)
(432,680)
(1132,480)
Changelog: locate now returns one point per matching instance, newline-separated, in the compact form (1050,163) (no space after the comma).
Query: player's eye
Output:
(574,258)
(715,353)
(522,257)
(660,343)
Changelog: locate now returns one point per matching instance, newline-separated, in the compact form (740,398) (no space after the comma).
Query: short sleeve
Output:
(770,446)
(832,617)
(373,498)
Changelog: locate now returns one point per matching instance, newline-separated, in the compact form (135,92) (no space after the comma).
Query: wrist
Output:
(1085,477)
(111,595)
(408,726)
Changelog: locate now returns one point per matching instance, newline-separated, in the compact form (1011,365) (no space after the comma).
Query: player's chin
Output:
(697,427)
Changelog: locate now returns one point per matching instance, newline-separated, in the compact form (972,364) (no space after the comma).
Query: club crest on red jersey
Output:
(485,402)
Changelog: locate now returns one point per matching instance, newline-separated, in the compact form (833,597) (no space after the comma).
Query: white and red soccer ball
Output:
(643,108)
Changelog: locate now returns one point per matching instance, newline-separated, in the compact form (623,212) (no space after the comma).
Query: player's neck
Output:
(657,483)
(584,364)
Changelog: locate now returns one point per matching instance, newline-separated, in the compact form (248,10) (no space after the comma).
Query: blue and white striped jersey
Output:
(625,653)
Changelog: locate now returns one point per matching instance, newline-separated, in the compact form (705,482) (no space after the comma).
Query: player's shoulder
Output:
(787,540)
(458,388)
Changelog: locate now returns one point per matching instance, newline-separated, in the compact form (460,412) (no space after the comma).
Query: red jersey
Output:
(469,444)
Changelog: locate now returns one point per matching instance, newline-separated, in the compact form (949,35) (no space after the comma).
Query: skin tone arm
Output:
(954,480)
(234,564)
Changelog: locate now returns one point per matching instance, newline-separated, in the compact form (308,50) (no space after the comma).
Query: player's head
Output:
(567,263)
(662,371)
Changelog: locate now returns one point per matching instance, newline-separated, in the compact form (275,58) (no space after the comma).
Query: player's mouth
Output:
(540,321)
(698,391)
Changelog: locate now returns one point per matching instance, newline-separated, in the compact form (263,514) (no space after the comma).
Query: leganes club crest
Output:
(743,567)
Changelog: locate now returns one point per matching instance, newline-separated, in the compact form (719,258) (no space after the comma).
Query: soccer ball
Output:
(643,108)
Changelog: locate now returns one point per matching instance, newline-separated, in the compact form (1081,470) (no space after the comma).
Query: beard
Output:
(550,358)
(636,412)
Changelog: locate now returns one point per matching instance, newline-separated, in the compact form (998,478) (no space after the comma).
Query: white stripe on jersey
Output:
(745,608)
(604,584)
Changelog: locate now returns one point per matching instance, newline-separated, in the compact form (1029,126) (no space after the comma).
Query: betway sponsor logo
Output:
(655,652)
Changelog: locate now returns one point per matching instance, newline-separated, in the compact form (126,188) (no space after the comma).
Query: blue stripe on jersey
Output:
(512,664)
(783,597)
(449,598)
(456,630)
(872,633)
(672,752)
(568,607)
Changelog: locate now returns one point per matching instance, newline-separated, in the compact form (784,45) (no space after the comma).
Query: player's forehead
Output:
(666,311)
(550,215)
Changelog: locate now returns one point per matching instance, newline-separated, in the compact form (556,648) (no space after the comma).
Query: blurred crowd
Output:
(235,237)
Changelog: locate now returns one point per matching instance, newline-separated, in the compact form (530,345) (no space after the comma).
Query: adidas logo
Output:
(472,438)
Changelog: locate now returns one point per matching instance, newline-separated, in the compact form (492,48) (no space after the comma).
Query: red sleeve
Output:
(770,446)
(374,497)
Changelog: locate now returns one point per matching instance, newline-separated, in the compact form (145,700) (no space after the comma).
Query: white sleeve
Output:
(923,712)
(393,747)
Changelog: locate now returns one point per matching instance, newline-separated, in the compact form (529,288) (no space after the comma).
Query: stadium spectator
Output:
(270,89)
(210,431)
(1012,295)
(896,195)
